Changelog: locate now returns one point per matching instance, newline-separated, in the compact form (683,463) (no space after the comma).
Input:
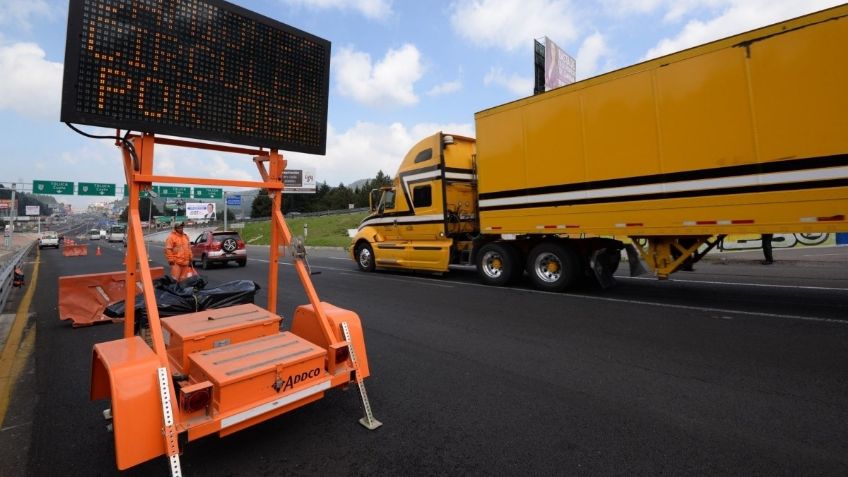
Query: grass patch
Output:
(324,231)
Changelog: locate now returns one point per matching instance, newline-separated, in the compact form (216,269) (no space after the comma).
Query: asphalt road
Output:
(735,369)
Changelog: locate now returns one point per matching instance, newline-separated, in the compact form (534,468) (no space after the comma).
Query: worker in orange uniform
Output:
(178,252)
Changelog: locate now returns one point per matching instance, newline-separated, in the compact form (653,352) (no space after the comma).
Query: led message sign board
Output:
(203,69)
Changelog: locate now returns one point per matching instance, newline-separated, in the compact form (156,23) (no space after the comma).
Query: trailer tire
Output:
(498,264)
(553,266)
(365,257)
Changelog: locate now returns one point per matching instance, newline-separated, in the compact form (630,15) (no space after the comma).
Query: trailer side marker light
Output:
(832,218)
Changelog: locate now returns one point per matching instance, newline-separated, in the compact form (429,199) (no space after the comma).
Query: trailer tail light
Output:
(196,396)
(342,354)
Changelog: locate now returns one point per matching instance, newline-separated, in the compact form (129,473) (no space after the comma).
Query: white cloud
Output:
(734,16)
(30,85)
(365,148)
(592,51)
(513,24)
(373,9)
(389,82)
(18,12)
(519,85)
(445,88)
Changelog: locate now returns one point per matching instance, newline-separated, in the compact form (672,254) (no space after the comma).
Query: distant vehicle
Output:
(218,247)
(94,234)
(48,239)
(117,233)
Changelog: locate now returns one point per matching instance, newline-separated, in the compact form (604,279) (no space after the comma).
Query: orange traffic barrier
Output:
(75,250)
(98,251)
(82,298)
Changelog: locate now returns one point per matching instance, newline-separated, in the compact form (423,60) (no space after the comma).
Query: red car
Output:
(218,247)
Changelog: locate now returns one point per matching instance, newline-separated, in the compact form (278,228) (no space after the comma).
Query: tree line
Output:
(324,198)
(23,199)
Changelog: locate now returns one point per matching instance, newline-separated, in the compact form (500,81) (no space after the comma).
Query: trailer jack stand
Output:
(368,421)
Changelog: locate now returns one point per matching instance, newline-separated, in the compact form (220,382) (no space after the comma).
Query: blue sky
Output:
(400,70)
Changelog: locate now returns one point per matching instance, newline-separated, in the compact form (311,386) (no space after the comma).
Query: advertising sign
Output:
(33,210)
(299,181)
(200,210)
(234,200)
(560,68)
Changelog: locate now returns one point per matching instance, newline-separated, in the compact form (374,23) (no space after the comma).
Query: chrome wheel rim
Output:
(364,258)
(493,264)
(548,267)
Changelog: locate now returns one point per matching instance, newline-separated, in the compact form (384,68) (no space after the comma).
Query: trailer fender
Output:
(125,371)
(305,324)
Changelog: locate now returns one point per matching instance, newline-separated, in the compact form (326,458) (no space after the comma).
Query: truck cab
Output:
(430,206)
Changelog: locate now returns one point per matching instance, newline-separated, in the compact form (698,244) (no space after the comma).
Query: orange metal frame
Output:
(140,176)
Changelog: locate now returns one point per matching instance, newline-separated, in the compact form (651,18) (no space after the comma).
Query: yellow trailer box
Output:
(745,134)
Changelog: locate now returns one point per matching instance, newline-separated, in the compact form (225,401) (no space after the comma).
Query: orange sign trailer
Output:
(218,371)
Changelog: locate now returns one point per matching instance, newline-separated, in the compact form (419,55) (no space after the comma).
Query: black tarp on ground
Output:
(187,296)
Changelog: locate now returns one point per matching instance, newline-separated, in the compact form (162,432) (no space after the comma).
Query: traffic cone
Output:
(98,251)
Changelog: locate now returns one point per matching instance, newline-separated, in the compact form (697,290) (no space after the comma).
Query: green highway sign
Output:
(144,194)
(53,187)
(208,193)
(91,188)
(171,191)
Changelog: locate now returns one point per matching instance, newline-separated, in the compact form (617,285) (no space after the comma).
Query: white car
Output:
(117,233)
(48,239)
(94,234)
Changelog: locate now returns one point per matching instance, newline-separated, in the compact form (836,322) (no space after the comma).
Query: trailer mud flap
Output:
(635,261)
(82,298)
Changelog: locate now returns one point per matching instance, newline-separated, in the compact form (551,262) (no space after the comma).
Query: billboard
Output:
(560,68)
(33,210)
(200,210)
(299,181)
(553,66)
(204,69)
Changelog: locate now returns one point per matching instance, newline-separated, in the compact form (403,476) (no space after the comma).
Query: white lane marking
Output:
(669,305)
(291,264)
(737,284)
(824,255)
(427,281)
(339,258)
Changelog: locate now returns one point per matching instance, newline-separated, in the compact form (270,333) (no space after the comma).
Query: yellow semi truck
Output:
(748,134)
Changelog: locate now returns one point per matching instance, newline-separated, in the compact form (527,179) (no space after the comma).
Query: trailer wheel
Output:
(365,257)
(497,264)
(553,267)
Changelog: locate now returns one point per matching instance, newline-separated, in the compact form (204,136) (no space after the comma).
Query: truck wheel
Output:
(553,267)
(365,257)
(497,264)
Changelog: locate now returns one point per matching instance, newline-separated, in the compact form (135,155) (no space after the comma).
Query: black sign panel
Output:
(202,69)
